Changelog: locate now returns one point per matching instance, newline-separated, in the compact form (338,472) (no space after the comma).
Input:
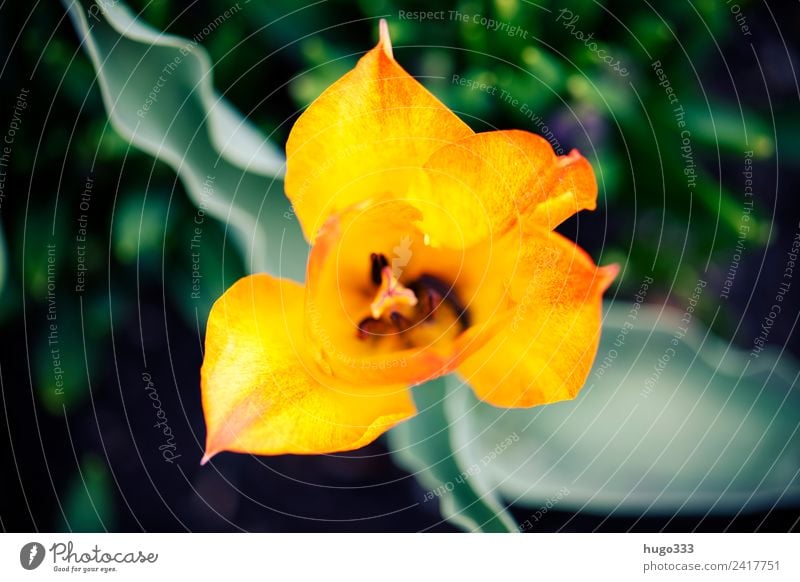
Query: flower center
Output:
(391,295)
(399,308)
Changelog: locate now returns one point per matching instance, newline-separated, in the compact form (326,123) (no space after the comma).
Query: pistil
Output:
(391,295)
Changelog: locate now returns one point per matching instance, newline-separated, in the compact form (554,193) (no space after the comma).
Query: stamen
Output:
(391,294)
(435,286)
(377,263)
(373,327)
(431,300)
(397,309)
(401,322)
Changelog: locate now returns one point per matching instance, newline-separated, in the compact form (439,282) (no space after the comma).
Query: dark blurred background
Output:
(84,456)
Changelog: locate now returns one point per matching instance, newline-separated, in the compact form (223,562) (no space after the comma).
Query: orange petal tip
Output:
(607,275)
(573,156)
(385,40)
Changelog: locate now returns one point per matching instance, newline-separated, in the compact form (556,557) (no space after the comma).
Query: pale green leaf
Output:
(713,429)
(157,89)
(423,447)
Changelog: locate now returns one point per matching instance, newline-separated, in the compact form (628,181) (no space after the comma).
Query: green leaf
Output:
(139,227)
(423,446)
(88,500)
(712,430)
(730,128)
(158,93)
(723,206)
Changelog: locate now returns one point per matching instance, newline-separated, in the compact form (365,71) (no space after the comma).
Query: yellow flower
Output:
(432,252)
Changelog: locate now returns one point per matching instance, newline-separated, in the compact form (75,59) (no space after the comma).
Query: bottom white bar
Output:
(396,557)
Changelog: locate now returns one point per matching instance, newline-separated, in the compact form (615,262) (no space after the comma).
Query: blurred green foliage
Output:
(273,58)
(89,501)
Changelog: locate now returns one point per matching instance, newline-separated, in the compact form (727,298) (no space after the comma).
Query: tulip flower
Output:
(432,252)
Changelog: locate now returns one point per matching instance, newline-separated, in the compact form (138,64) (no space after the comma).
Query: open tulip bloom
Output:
(433,252)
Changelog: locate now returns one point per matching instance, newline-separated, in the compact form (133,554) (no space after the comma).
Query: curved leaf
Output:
(423,447)
(710,429)
(158,93)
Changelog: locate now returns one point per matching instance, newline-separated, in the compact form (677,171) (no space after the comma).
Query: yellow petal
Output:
(262,395)
(551,330)
(478,187)
(363,138)
(573,189)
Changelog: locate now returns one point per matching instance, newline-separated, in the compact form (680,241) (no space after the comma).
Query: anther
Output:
(377,263)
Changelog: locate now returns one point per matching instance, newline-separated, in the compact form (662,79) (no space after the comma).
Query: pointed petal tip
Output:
(209,454)
(573,156)
(385,40)
(607,275)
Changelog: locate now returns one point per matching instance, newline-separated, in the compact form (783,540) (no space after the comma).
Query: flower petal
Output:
(364,137)
(261,395)
(546,349)
(478,187)
(573,188)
